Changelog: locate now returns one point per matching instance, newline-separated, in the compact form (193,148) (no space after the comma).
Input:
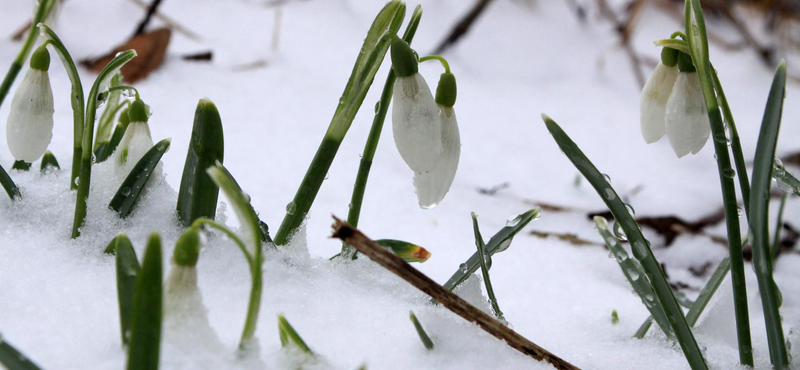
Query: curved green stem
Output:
(84,179)
(698,47)
(76,98)
(374,137)
(736,144)
(230,234)
(439,58)
(24,52)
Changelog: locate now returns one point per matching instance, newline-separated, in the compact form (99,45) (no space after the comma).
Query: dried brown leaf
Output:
(151,48)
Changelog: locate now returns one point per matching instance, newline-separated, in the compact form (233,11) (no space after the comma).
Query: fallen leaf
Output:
(151,48)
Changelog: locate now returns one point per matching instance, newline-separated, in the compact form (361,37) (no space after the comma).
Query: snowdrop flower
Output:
(672,103)
(136,141)
(425,129)
(29,128)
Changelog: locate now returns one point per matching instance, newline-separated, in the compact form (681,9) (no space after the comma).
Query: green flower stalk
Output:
(16,65)
(369,61)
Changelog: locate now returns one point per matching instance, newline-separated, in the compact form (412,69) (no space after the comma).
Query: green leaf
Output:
(289,336)
(11,188)
(128,193)
(409,252)
(498,243)
(485,263)
(127,270)
(252,240)
(145,341)
(12,359)
(635,274)
(641,247)
(49,161)
(423,336)
(759,218)
(105,149)
(198,194)
(21,166)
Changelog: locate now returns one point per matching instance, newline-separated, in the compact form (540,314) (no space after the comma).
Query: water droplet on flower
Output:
(608,178)
(513,221)
(377,107)
(633,274)
(291,208)
(126,191)
(488,260)
(739,211)
(463,268)
(618,232)
(609,193)
(350,206)
(149,110)
(639,250)
(611,241)
(783,185)
(729,173)
(630,210)
(503,246)
(77,180)
(128,93)
(341,100)
(621,256)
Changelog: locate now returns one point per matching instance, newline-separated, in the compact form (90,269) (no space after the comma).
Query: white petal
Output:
(688,127)
(654,101)
(29,128)
(415,123)
(133,146)
(433,185)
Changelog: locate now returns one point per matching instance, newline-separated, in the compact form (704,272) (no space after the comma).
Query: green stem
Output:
(230,234)
(776,241)
(24,52)
(484,260)
(76,99)
(374,137)
(699,53)
(84,179)
(440,59)
(736,144)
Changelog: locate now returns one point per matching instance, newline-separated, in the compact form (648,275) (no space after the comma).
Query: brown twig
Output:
(625,29)
(169,21)
(147,17)
(462,27)
(454,303)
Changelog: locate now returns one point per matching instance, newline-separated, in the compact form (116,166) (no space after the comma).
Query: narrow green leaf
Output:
(423,336)
(289,336)
(145,341)
(198,194)
(641,248)
(776,236)
(498,243)
(635,274)
(12,359)
(409,252)
(127,270)
(105,149)
(252,240)
(11,188)
(485,263)
(759,218)
(128,193)
(786,181)
(49,161)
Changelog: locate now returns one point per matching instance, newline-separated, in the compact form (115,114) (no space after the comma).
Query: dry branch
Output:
(454,303)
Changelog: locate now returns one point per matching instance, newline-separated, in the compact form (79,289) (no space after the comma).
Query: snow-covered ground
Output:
(58,296)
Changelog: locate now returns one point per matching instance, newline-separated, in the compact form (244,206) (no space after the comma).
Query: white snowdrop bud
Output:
(135,142)
(687,123)
(29,128)
(656,91)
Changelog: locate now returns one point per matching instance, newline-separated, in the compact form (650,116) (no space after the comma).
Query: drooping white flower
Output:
(29,128)
(135,142)
(672,103)
(653,106)
(687,123)
(425,129)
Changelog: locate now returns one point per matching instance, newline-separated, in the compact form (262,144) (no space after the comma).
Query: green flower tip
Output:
(669,57)
(407,251)
(124,118)
(446,90)
(40,59)
(138,111)
(685,63)
(187,248)
(546,118)
(404,60)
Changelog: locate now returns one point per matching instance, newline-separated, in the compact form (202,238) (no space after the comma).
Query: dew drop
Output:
(128,93)
(463,268)
(609,193)
(126,191)
(149,110)
(630,210)
(729,173)
(784,186)
(619,233)
(291,208)
(639,249)
(739,211)
(633,274)
(77,180)
(377,106)
(513,221)
(608,178)
(502,247)
(622,256)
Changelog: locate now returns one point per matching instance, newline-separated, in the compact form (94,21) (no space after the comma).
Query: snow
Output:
(58,296)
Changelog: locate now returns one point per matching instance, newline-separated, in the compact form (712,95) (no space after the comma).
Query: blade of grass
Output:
(635,274)
(485,262)
(787,181)
(198,194)
(13,359)
(698,47)
(369,60)
(759,225)
(371,146)
(252,243)
(145,341)
(8,184)
(641,248)
(423,336)
(127,270)
(499,242)
(289,336)
(128,194)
